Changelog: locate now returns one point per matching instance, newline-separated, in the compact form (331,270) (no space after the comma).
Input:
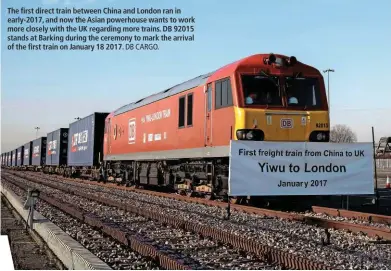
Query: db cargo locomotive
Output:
(180,137)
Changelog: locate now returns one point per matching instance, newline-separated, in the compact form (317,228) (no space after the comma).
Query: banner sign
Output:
(300,168)
(5,252)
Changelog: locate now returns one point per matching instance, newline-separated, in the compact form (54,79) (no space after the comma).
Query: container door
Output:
(208,115)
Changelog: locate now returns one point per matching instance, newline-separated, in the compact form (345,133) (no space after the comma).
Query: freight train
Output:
(179,138)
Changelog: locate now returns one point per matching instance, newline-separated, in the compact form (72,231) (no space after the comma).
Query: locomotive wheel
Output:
(189,194)
(234,200)
(210,196)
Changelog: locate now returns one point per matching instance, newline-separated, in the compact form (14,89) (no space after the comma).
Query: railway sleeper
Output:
(270,254)
(137,243)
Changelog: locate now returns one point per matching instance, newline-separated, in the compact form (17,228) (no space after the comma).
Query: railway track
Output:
(111,251)
(346,215)
(190,250)
(347,250)
(28,252)
(378,226)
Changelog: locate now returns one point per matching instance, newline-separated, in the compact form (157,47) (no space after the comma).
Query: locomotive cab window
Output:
(190,110)
(185,120)
(209,97)
(223,93)
(181,121)
(261,90)
(303,92)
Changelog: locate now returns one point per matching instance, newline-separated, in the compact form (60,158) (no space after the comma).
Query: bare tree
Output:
(342,133)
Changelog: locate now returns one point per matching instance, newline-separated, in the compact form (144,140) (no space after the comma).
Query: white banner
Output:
(300,168)
(5,252)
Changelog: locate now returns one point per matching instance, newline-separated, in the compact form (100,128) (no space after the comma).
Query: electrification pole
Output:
(328,89)
(36,134)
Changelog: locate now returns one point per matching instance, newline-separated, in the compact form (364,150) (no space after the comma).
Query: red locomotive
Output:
(180,137)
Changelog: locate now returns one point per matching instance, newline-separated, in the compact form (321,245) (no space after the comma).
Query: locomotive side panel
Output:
(223,99)
(160,129)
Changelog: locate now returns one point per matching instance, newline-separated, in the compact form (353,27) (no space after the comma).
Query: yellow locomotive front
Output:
(280,99)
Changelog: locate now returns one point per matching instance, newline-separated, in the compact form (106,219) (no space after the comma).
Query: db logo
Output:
(286,123)
(132,131)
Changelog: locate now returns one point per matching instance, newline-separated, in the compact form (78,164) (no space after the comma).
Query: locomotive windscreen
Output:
(261,90)
(303,92)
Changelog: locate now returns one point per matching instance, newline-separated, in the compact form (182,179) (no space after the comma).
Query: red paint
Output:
(218,124)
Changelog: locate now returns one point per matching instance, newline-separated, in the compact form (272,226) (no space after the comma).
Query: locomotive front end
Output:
(280,99)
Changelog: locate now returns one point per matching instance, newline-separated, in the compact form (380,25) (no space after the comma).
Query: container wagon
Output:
(38,159)
(9,158)
(19,157)
(14,158)
(27,155)
(56,151)
(85,146)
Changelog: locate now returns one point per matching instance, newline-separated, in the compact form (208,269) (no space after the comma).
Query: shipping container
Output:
(57,147)
(14,157)
(86,135)
(19,158)
(2,160)
(39,152)
(9,159)
(27,153)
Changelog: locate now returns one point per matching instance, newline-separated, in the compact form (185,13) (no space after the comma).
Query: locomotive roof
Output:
(192,83)
(197,81)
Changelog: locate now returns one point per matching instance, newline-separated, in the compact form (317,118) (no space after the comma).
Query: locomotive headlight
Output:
(270,60)
(292,61)
(250,135)
(240,134)
(320,136)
